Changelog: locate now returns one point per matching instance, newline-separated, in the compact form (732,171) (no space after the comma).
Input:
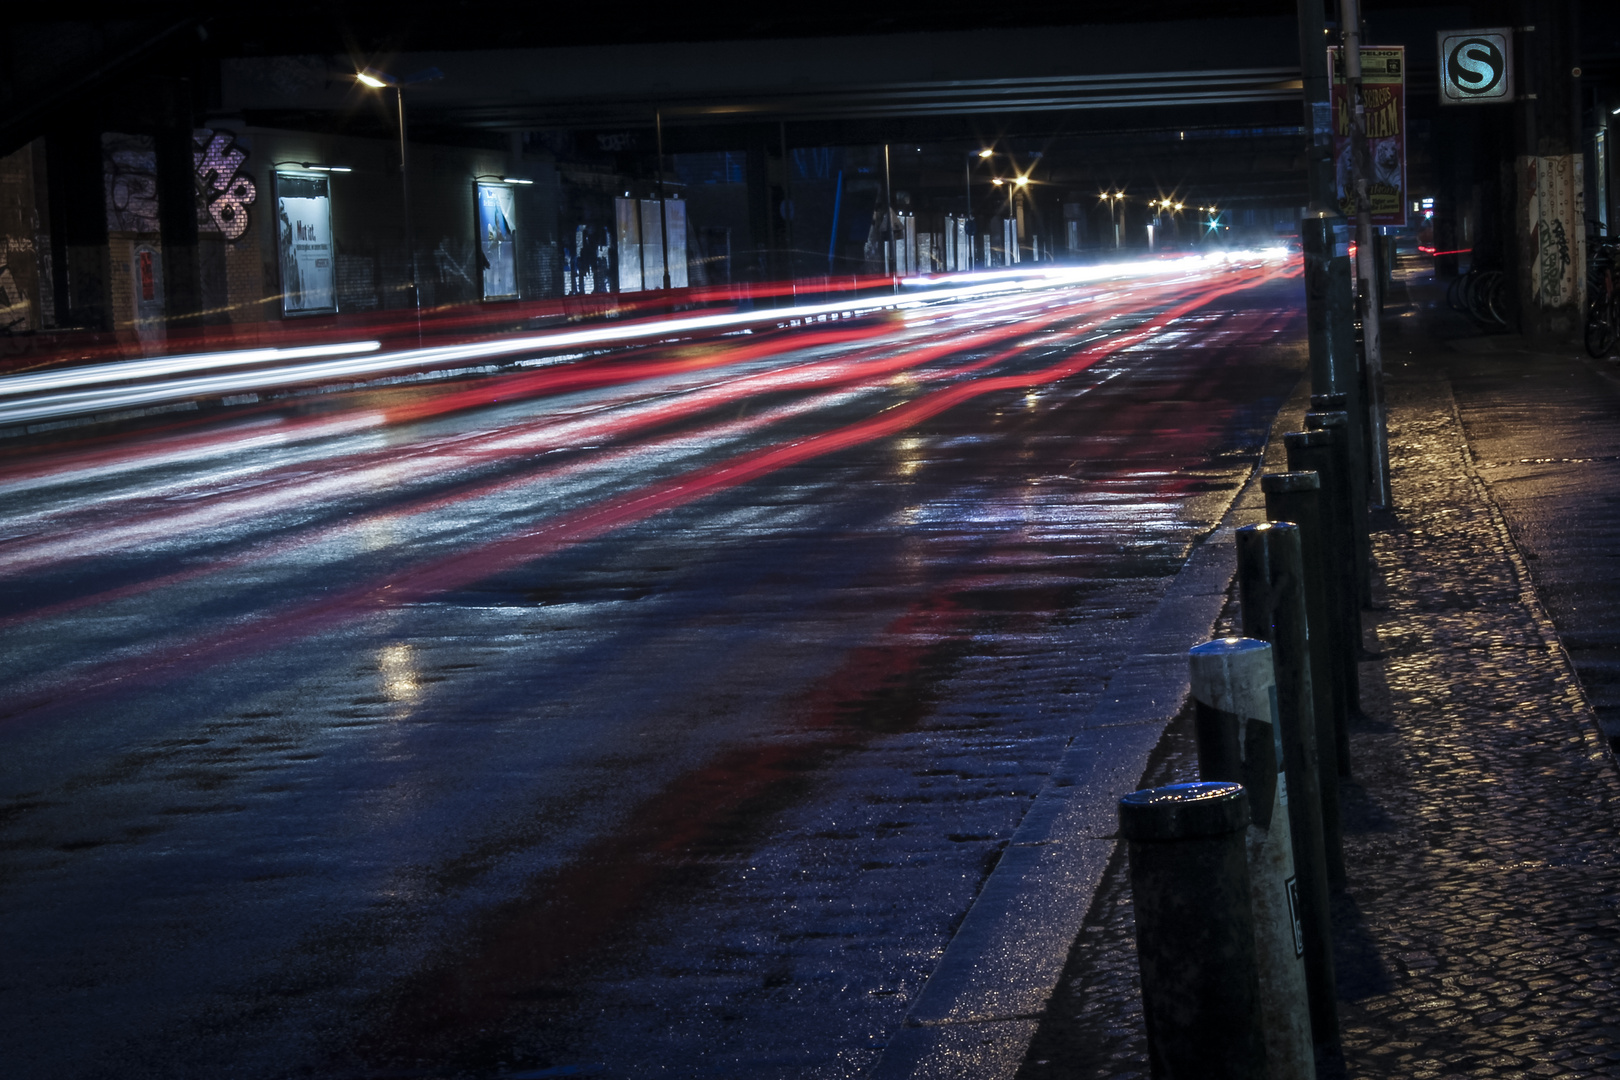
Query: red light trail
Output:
(866,370)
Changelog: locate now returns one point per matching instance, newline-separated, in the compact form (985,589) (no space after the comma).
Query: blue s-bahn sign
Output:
(1476,66)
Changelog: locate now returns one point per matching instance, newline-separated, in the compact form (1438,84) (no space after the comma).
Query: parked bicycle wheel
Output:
(1496,300)
(1599,326)
(1482,290)
(1455,294)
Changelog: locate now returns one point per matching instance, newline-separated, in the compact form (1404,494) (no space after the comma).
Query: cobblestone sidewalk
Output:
(1480,934)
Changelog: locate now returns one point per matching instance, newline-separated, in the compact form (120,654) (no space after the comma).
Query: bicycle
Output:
(1482,295)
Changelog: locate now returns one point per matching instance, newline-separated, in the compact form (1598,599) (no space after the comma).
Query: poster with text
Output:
(496,241)
(1383,88)
(304,243)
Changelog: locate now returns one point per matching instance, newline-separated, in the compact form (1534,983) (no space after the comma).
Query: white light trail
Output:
(41,395)
(172,365)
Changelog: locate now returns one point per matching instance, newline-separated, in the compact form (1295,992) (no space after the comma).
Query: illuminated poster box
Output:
(497,240)
(304,244)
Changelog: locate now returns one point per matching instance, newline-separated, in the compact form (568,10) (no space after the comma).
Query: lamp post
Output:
(379,80)
(1018,182)
(1117,197)
(967,213)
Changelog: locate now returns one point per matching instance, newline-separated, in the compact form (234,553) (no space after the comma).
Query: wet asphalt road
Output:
(655,714)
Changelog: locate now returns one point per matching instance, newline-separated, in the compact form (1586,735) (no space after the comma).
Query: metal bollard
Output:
(1272,606)
(1294,497)
(1344,432)
(1195,930)
(1314,451)
(1234,695)
(1356,456)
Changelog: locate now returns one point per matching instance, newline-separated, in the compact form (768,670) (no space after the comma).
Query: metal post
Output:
(967,214)
(1314,451)
(1355,435)
(1337,420)
(663,210)
(1367,275)
(1295,497)
(410,234)
(891,260)
(1272,605)
(1195,930)
(1234,695)
(787,210)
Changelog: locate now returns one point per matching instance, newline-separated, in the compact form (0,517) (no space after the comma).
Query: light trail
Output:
(558,532)
(54,537)
(47,395)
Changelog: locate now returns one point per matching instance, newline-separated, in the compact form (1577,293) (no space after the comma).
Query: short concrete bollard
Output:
(1272,605)
(1195,930)
(1294,497)
(1235,706)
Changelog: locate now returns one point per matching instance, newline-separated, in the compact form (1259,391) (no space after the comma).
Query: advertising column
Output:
(304,244)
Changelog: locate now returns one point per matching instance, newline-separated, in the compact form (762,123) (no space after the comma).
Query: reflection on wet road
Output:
(654,713)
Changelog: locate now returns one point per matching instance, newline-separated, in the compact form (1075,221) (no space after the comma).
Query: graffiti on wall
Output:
(14,307)
(129,179)
(222,187)
(1554,207)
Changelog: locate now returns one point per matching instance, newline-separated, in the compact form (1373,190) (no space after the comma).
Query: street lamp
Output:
(1112,198)
(967,190)
(380,80)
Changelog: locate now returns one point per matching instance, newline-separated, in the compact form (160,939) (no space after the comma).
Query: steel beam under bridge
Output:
(1167,65)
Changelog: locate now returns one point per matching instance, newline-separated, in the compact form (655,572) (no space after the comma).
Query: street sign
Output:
(1476,66)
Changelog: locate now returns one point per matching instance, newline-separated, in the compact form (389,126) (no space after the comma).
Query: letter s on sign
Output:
(1476,66)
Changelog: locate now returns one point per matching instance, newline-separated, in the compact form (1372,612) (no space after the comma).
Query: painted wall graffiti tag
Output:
(1553,208)
(129,179)
(14,307)
(222,187)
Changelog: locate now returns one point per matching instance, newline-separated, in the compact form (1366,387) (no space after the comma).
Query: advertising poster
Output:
(304,244)
(627,222)
(675,230)
(1383,85)
(496,240)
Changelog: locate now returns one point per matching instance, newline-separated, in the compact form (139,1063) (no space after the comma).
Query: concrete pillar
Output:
(80,269)
(1549,225)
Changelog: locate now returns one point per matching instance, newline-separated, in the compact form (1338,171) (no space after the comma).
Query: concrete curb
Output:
(980,1008)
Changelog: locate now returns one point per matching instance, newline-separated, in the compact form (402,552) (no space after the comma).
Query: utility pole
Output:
(1330,314)
(663,206)
(892,259)
(1368,277)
